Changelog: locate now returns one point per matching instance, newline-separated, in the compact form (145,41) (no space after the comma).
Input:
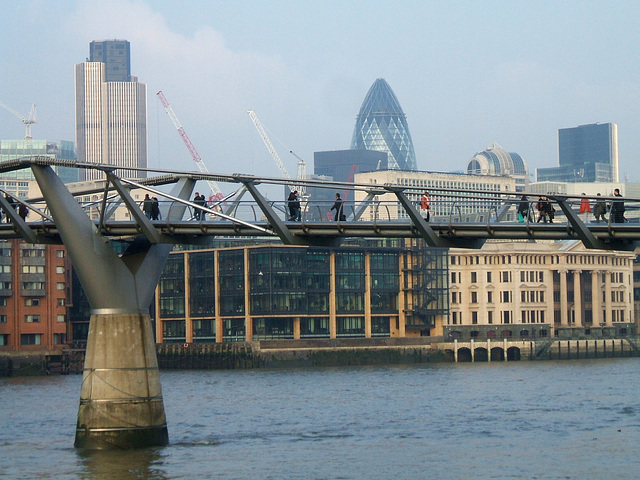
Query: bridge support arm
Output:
(141,219)
(588,239)
(274,220)
(19,224)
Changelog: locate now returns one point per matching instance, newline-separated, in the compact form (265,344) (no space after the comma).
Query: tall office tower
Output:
(590,147)
(111,111)
(382,125)
(587,153)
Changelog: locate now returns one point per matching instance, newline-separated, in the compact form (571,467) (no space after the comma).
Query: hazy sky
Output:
(466,73)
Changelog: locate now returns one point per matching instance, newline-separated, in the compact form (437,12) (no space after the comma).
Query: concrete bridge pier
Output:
(121,403)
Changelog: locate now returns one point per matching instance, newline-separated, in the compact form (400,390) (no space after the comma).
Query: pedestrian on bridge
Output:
(600,210)
(23,211)
(155,209)
(617,208)
(200,201)
(425,205)
(294,206)
(545,210)
(338,206)
(585,207)
(147,206)
(523,209)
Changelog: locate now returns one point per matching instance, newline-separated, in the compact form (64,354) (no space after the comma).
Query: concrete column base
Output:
(121,402)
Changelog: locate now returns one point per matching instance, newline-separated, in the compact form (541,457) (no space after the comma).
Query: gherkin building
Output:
(382,125)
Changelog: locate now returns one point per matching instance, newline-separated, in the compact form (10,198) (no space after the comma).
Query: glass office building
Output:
(269,292)
(382,125)
(587,153)
(17,182)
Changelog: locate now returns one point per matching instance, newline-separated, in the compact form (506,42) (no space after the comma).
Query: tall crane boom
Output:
(27,121)
(270,147)
(217,193)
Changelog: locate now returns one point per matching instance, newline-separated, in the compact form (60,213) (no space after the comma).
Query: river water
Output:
(520,420)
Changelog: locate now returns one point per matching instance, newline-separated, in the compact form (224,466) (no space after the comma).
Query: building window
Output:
(60,318)
(490,317)
(61,302)
(314,327)
(32,318)
(60,286)
(489,297)
(31,302)
(350,326)
(30,339)
(59,338)
(60,253)
(33,285)
(32,269)
(204,331)
(488,277)
(474,318)
(3,318)
(474,297)
(4,339)
(474,277)
(59,269)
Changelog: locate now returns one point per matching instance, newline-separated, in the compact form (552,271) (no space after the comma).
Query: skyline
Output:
(465,74)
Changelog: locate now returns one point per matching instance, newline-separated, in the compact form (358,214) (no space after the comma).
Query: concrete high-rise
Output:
(111,111)
(382,125)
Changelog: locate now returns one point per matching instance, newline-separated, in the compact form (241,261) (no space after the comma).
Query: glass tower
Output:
(382,125)
(587,153)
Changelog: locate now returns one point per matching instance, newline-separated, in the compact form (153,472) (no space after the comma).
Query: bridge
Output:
(121,402)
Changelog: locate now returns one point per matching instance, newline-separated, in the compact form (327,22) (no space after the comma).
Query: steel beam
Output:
(584,234)
(425,230)
(18,224)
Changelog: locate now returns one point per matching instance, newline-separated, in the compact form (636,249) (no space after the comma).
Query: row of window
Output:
(33,339)
(274,328)
(30,318)
(536,260)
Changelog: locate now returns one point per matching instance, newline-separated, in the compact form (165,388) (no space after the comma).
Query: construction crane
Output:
(272,150)
(27,121)
(302,173)
(216,192)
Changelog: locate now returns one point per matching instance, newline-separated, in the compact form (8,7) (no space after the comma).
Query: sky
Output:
(466,73)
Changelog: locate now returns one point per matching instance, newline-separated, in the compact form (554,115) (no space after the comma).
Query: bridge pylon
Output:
(121,404)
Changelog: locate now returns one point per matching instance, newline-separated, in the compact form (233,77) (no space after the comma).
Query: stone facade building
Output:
(539,289)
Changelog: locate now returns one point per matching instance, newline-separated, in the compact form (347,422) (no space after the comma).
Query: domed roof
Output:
(497,161)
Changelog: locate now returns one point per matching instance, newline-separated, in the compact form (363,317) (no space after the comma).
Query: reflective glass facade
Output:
(283,292)
(382,125)
(587,153)
(12,149)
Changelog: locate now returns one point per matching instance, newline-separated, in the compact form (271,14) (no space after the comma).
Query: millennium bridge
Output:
(121,403)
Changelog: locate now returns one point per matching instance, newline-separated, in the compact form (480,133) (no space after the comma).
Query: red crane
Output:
(217,193)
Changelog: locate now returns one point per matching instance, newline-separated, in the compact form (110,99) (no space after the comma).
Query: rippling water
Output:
(538,420)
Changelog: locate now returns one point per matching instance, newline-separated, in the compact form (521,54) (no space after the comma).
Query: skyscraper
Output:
(111,111)
(382,125)
(587,153)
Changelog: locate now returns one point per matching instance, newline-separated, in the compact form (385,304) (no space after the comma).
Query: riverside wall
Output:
(332,352)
